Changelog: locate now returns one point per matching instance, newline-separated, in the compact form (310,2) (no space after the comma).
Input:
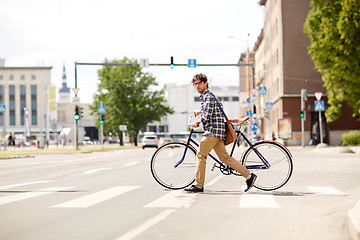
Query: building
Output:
(284,67)
(23,91)
(184,99)
(64,91)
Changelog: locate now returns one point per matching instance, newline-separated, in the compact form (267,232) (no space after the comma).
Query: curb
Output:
(354,222)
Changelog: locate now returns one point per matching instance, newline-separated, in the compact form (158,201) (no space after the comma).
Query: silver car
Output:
(149,141)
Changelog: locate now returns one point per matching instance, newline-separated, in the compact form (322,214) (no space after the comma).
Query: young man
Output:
(213,138)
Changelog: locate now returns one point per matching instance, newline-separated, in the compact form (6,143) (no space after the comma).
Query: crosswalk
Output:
(172,199)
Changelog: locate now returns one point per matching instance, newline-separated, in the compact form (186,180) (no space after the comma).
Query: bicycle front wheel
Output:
(281,166)
(164,169)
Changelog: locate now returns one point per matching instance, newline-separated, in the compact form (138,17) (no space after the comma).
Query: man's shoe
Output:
(250,182)
(195,188)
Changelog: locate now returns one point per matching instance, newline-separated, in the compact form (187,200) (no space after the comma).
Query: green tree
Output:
(130,97)
(334,32)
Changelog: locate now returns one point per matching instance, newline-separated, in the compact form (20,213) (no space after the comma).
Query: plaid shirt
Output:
(211,116)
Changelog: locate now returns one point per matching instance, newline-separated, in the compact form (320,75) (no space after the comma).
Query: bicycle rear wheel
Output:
(281,166)
(163,166)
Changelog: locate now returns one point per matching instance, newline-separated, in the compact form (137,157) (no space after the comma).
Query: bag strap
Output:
(227,120)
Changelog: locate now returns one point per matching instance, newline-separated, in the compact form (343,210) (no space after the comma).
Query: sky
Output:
(56,33)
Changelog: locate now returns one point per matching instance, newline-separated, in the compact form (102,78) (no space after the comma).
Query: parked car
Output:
(164,140)
(149,141)
(87,140)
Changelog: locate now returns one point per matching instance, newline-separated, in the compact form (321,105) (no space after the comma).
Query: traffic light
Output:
(172,62)
(81,113)
(254,113)
(301,114)
(102,118)
(76,116)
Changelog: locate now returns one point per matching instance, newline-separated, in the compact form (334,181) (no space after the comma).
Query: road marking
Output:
(212,182)
(130,164)
(22,184)
(95,170)
(325,190)
(26,195)
(146,225)
(173,199)
(95,198)
(258,200)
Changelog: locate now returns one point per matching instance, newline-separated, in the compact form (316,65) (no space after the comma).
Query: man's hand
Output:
(196,124)
(196,113)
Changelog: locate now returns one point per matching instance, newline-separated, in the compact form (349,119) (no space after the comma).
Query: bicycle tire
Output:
(281,165)
(163,166)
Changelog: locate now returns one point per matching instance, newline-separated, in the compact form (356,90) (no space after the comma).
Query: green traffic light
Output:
(172,66)
(254,115)
(101,121)
(76,117)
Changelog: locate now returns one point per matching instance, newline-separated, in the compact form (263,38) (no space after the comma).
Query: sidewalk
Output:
(353,214)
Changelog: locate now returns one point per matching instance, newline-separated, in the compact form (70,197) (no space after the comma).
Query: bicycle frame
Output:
(266,164)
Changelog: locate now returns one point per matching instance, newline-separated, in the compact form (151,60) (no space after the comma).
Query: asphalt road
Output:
(112,195)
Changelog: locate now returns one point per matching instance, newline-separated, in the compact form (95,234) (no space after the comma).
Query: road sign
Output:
(76,91)
(249,113)
(192,63)
(318,95)
(262,90)
(2,108)
(101,109)
(254,126)
(319,106)
(269,105)
(122,127)
(253,92)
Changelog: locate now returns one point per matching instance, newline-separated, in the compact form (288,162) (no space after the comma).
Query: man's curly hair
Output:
(201,77)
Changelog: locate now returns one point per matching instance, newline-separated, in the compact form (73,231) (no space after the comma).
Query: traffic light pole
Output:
(76,135)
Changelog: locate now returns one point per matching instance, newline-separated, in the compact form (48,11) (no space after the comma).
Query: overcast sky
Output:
(51,33)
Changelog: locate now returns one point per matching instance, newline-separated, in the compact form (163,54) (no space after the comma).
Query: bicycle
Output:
(173,164)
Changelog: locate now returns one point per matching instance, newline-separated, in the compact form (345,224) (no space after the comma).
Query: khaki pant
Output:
(208,143)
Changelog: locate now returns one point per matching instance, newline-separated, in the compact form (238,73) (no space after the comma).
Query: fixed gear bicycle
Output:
(173,164)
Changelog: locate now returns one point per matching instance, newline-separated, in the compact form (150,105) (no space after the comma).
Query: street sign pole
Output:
(320,125)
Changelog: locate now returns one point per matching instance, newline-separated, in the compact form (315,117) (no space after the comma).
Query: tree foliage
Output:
(334,31)
(130,97)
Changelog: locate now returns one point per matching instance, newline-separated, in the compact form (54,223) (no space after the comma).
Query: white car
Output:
(149,141)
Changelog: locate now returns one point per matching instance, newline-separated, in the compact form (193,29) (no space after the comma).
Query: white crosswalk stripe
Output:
(26,195)
(325,190)
(95,198)
(258,200)
(22,184)
(173,199)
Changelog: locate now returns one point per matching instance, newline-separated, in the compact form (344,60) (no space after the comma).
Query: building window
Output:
(22,104)
(235,99)
(225,99)
(11,77)
(197,99)
(33,77)
(1,77)
(33,105)
(12,104)
(22,77)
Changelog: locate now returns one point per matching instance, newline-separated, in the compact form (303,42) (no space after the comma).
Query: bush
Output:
(350,138)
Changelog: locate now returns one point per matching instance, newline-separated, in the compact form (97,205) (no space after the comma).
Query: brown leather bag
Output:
(230,132)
